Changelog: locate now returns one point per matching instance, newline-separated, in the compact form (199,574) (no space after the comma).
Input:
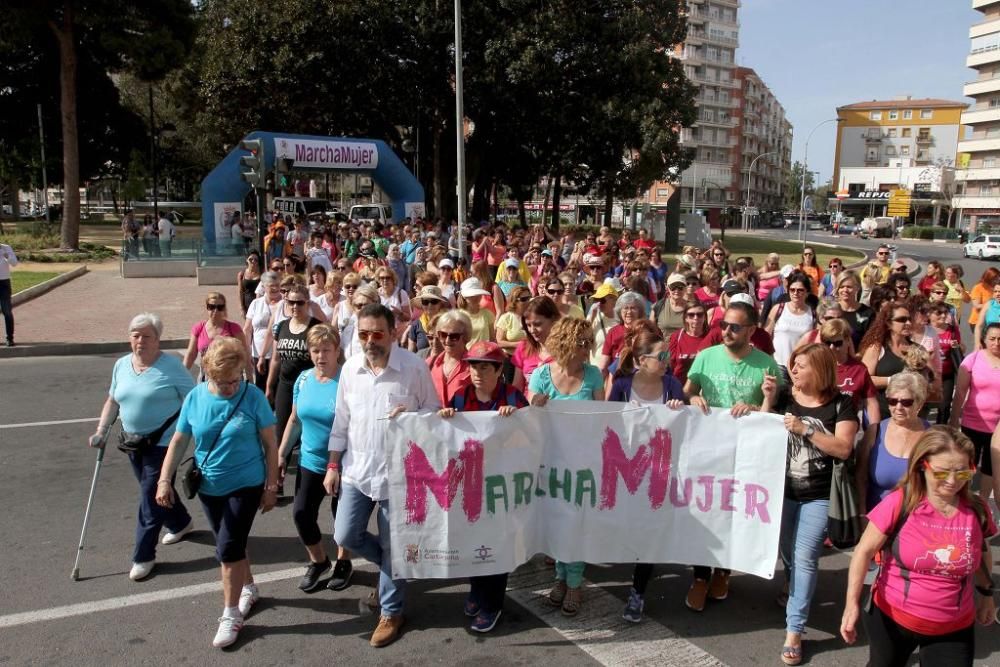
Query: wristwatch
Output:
(810,430)
(273,488)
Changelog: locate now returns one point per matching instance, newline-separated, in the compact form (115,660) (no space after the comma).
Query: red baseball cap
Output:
(485,351)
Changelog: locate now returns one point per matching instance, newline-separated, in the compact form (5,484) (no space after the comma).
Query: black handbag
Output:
(136,443)
(190,473)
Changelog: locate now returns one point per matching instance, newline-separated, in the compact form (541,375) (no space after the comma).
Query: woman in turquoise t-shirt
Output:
(568,377)
(233,429)
(314,399)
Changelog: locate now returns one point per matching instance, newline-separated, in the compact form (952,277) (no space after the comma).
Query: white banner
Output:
(223,222)
(480,494)
(327,154)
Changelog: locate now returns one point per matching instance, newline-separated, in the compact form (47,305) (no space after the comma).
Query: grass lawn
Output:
(22,280)
(790,251)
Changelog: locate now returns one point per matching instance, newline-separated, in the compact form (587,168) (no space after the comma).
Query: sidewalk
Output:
(90,315)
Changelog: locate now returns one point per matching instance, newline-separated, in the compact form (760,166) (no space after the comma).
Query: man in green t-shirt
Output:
(734,375)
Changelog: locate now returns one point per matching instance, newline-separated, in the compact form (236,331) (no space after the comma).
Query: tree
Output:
(793,186)
(112,35)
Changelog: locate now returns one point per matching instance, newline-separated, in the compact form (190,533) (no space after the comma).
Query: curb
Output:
(77,349)
(41,288)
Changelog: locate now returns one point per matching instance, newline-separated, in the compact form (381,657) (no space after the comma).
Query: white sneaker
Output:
(140,571)
(174,538)
(229,630)
(248,598)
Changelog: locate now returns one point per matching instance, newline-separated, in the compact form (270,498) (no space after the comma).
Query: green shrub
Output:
(929,233)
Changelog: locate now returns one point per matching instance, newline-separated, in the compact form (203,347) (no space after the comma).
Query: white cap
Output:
(446,262)
(473,287)
(512,263)
(787,270)
(742,297)
(591,258)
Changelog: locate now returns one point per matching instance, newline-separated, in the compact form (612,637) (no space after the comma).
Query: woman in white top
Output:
(330,300)
(256,327)
(392,297)
(602,318)
(790,320)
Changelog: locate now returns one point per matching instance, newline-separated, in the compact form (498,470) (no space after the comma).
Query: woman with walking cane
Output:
(147,389)
(237,462)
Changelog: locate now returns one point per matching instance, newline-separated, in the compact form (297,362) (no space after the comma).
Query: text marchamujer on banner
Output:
(480,494)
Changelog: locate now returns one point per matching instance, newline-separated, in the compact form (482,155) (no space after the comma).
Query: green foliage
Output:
(926,233)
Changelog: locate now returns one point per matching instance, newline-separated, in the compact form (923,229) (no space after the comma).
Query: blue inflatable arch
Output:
(223,191)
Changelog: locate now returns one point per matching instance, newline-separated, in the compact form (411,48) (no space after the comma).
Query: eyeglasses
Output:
(677,288)
(834,343)
(662,357)
(370,335)
(216,306)
(252,259)
(295,302)
(449,336)
(553,292)
(942,475)
(350,287)
(233,383)
(736,328)
(902,320)
(285,290)
(796,290)
(905,402)
(836,266)
(692,316)
(385,278)
(584,342)
(522,299)
(902,288)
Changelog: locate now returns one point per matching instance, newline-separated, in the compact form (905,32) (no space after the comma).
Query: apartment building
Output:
(977,201)
(762,156)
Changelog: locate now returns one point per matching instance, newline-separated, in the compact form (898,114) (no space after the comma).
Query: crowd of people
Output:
(343,326)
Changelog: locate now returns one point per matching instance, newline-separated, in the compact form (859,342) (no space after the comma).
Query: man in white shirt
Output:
(167,234)
(383,381)
(7,260)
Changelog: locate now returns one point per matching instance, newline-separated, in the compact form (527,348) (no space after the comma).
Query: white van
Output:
(371,213)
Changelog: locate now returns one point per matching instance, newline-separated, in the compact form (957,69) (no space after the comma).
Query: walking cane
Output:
(75,576)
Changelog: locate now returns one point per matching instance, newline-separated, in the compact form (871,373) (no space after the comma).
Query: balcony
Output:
(872,160)
(717,122)
(983,58)
(977,145)
(976,4)
(925,140)
(980,116)
(704,80)
(974,88)
(873,138)
(975,201)
(715,102)
(978,174)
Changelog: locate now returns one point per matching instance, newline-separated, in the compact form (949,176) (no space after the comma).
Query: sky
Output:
(816,56)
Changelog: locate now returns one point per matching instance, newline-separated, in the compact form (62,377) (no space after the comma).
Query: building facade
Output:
(763,154)
(978,177)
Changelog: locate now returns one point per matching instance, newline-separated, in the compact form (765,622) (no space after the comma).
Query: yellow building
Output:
(897,133)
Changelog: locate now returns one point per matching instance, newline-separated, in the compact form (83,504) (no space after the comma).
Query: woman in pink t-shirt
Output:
(976,405)
(539,316)
(932,533)
(215,325)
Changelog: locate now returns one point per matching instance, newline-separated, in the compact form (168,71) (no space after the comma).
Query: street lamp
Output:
(459,127)
(746,207)
(805,167)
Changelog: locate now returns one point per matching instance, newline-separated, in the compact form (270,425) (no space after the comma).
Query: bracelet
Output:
(333,466)
(985,591)
(163,481)
(273,488)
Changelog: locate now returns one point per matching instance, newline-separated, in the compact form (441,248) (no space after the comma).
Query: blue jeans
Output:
(803,529)
(151,517)
(351,532)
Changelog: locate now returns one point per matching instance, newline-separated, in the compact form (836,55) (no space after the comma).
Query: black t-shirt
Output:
(292,350)
(859,320)
(808,471)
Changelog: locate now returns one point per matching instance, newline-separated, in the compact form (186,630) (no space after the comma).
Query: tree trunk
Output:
(436,159)
(556,197)
(545,198)
(70,232)
(609,201)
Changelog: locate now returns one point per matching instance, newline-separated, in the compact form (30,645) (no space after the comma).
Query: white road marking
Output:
(599,629)
(52,423)
(56,613)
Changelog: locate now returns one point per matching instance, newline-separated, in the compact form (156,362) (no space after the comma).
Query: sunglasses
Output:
(295,302)
(834,343)
(216,306)
(736,328)
(449,336)
(522,299)
(284,290)
(942,475)
(350,287)
(882,254)
(662,357)
(905,402)
(692,316)
(902,320)
(836,266)
(796,290)
(553,292)
(370,335)
(677,288)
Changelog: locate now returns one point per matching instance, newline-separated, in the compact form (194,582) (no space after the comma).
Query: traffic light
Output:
(252,166)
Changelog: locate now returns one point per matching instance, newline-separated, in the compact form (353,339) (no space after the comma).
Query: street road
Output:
(171,617)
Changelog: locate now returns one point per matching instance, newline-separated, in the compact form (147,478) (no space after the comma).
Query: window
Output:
(892,133)
(994,102)
(985,43)
(890,151)
(907,132)
(875,115)
(993,133)
(907,114)
(926,113)
(893,115)
(986,190)
(904,150)
(989,162)
(662,192)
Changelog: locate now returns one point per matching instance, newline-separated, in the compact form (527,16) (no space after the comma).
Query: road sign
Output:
(899,203)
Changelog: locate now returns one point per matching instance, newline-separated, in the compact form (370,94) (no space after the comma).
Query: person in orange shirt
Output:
(982,292)
(811,268)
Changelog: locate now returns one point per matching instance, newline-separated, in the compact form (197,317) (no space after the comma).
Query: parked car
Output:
(984,246)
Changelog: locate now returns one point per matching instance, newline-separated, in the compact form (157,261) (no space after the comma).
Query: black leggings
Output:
(309,495)
(231,517)
(6,307)
(641,576)
(890,645)
(283,407)
(260,379)
(981,441)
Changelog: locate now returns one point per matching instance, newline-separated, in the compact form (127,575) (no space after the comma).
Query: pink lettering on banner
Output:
(653,457)
(757,497)
(466,470)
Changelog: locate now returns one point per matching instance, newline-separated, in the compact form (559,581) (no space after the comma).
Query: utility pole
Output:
(45,177)
(459,128)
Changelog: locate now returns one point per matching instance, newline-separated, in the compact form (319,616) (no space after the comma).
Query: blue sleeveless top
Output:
(884,469)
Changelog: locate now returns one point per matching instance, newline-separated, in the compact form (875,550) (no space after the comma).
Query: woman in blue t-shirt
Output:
(568,377)
(147,389)
(643,378)
(313,403)
(233,429)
